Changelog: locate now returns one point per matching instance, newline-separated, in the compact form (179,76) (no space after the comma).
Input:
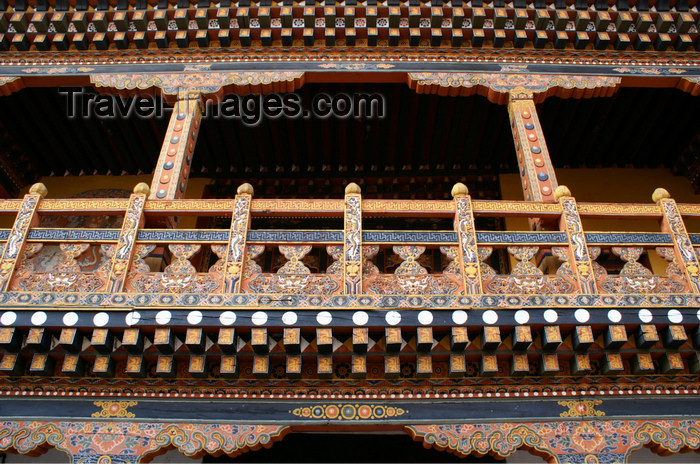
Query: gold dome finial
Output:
(562,191)
(459,189)
(245,189)
(352,187)
(40,189)
(659,194)
(143,188)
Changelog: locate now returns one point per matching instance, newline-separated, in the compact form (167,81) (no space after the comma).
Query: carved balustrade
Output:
(130,263)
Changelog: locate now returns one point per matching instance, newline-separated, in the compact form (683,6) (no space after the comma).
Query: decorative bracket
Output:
(204,83)
(498,86)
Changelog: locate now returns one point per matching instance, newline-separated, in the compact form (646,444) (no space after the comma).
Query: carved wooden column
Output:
(353,239)
(16,241)
(579,259)
(235,253)
(536,170)
(672,223)
(173,167)
(468,252)
(124,252)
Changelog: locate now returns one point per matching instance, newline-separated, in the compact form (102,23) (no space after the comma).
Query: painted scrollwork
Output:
(410,278)
(635,278)
(180,276)
(63,273)
(294,277)
(527,278)
(452,253)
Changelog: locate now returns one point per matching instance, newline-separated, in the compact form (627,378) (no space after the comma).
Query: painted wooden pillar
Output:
(536,170)
(124,252)
(235,253)
(672,223)
(173,168)
(27,218)
(579,259)
(353,240)
(466,230)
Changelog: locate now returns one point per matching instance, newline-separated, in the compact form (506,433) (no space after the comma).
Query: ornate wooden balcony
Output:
(246,267)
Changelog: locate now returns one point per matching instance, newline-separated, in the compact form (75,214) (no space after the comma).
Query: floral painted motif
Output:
(528,278)
(131,442)
(293,277)
(66,275)
(180,276)
(572,441)
(635,278)
(410,278)
(209,82)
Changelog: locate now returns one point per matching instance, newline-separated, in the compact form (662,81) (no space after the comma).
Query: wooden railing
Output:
(115,258)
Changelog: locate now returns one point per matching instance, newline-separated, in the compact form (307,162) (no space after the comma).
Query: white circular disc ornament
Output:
(259,318)
(392,317)
(39,318)
(490,317)
(645,315)
(227,318)
(163,317)
(614,316)
(582,315)
(8,318)
(194,317)
(132,318)
(289,318)
(100,319)
(675,316)
(459,317)
(70,319)
(324,318)
(425,317)
(360,318)
(522,316)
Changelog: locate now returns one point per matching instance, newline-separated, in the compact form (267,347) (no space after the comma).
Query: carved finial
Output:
(245,189)
(352,187)
(142,187)
(40,189)
(659,194)
(562,191)
(459,189)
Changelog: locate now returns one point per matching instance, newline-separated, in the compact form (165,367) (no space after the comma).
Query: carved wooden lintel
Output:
(203,83)
(499,86)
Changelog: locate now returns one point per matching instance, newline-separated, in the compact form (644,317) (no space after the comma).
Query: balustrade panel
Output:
(298,269)
(412,270)
(78,257)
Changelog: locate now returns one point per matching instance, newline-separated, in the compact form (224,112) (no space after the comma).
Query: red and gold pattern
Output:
(130,442)
(602,441)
